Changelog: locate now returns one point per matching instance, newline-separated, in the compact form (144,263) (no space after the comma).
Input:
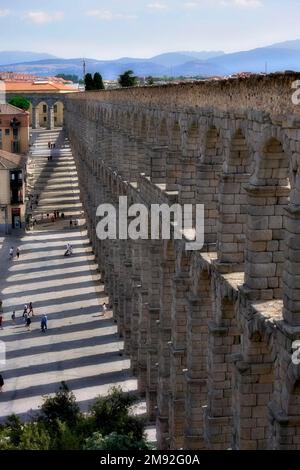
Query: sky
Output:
(109,29)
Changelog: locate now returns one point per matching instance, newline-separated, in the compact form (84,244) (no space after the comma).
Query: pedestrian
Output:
(30,309)
(25,310)
(44,323)
(1,321)
(28,323)
(13,317)
(104,308)
(11,252)
(71,223)
(18,253)
(1,382)
(49,145)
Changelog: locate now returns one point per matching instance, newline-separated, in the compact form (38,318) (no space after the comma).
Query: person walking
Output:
(18,253)
(104,307)
(30,309)
(1,382)
(49,144)
(13,317)
(28,323)
(25,310)
(1,321)
(44,323)
(11,252)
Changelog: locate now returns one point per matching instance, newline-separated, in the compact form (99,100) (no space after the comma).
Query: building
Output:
(12,191)
(14,129)
(46,97)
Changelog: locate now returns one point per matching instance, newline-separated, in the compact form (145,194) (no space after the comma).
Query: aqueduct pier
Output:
(210,333)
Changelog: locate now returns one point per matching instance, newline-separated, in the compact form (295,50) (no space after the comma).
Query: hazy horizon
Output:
(108,30)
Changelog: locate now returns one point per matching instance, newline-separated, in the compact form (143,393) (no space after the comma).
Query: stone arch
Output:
(58,113)
(233,201)
(272,165)
(207,181)
(268,195)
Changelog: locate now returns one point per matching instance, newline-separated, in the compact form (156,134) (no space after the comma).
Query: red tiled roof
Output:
(38,86)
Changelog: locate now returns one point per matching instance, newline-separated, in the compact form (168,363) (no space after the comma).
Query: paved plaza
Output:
(81,346)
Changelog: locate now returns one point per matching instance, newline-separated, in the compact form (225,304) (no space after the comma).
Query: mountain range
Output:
(277,57)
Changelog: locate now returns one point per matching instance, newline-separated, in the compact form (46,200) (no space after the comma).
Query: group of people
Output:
(27,317)
(51,145)
(12,253)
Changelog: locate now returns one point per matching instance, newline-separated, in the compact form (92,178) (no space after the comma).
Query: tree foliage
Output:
(20,102)
(60,425)
(93,82)
(127,79)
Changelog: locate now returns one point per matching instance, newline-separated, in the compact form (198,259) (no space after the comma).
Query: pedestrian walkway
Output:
(81,346)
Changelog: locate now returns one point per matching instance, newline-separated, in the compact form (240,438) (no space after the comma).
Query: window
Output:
(55,108)
(7,131)
(13,176)
(0,134)
(44,108)
(15,132)
(55,119)
(45,119)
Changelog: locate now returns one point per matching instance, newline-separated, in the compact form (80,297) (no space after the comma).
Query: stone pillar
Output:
(164,331)
(232,219)
(178,360)
(265,241)
(50,117)
(35,117)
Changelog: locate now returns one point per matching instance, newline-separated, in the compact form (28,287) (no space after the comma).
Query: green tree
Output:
(127,79)
(89,82)
(115,442)
(98,82)
(20,102)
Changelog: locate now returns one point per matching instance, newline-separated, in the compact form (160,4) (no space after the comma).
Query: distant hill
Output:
(276,57)
(15,57)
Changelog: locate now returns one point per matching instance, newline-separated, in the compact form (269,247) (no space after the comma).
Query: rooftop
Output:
(11,161)
(6,108)
(38,86)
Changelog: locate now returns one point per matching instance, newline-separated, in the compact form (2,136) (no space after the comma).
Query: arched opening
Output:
(58,114)
(43,114)
(268,195)
(208,174)
(233,202)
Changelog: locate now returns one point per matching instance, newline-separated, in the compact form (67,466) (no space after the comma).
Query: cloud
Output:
(106,15)
(157,6)
(189,5)
(43,17)
(4,13)
(243,3)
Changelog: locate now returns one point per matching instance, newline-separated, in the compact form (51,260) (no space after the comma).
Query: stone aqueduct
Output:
(209,333)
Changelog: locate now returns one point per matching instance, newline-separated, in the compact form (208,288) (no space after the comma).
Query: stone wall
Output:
(209,332)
